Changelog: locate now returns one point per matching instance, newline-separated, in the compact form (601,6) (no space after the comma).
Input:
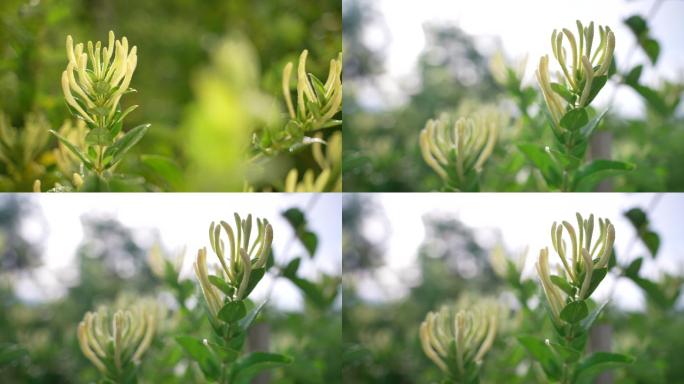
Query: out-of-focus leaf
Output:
(201,354)
(541,159)
(574,119)
(597,170)
(245,368)
(599,362)
(574,312)
(232,311)
(543,354)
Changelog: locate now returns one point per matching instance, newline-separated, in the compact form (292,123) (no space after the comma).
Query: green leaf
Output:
(652,242)
(245,368)
(651,47)
(11,352)
(311,291)
(247,321)
(310,241)
(591,173)
(653,99)
(541,352)
(596,86)
(574,119)
(633,76)
(292,267)
(99,136)
(589,128)
(73,149)
(638,218)
(164,168)
(598,362)
(563,284)
(226,354)
(124,144)
(232,311)
(567,354)
(596,278)
(542,160)
(574,312)
(633,269)
(564,161)
(254,278)
(563,91)
(653,292)
(588,322)
(222,285)
(201,354)
(295,217)
(638,25)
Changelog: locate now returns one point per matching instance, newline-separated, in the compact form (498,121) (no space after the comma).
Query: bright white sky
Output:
(181,220)
(523,27)
(524,220)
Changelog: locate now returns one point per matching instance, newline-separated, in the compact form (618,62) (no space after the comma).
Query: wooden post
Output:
(258,340)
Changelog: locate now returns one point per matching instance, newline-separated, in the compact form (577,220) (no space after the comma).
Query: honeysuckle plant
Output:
(585,67)
(585,260)
(316,107)
(93,83)
(456,149)
(20,151)
(330,163)
(115,340)
(242,264)
(457,339)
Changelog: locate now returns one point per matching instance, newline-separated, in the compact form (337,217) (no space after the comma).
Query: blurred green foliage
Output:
(380,336)
(381,148)
(194,63)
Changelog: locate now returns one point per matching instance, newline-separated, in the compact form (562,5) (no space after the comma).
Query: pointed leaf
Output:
(599,362)
(574,312)
(72,148)
(541,352)
(591,173)
(587,323)
(247,321)
(574,119)
(245,368)
(232,311)
(124,144)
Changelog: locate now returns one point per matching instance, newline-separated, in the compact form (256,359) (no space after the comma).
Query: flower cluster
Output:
(457,150)
(114,341)
(457,340)
(584,72)
(584,265)
(94,90)
(317,103)
(95,79)
(244,266)
(330,162)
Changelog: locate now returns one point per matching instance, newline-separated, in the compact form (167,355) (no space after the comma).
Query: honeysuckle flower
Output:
(96,77)
(330,162)
(580,70)
(157,261)
(503,72)
(503,265)
(578,262)
(463,145)
(112,339)
(236,269)
(317,102)
(456,340)
(309,183)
